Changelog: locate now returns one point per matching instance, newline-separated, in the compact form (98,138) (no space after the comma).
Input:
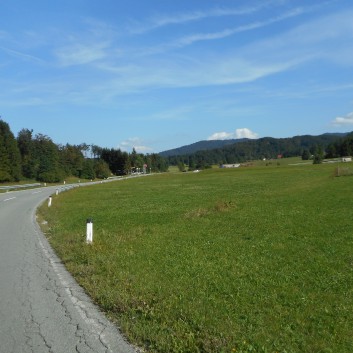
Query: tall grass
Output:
(343,171)
(244,260)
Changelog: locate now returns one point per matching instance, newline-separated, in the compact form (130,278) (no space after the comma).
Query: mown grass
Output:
(252,259)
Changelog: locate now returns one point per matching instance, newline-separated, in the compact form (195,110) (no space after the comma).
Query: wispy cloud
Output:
(237,134)
(199,15)
(343,120)
(115,75)
(188,40)
(318,35)
(195,73)
(79,54)
(21,55)
(314,40)
(136,143)
(181,18)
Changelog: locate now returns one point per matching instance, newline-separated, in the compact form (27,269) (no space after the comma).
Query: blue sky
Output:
(161,74)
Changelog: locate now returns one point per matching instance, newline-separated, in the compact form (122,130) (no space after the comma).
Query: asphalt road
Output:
(42,309)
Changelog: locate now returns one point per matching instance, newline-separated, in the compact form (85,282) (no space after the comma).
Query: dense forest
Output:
(309,147)
(39,158)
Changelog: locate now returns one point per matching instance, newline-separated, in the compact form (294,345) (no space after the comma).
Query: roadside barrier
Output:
(22,186)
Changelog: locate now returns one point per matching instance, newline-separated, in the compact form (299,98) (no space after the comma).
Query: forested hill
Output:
(266,147)
(200,146)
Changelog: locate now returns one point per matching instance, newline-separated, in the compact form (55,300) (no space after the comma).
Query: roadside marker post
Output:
(49,201)
(89,231)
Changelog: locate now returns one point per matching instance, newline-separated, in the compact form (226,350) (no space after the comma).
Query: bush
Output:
(318,158)
(102,170)
(49,177)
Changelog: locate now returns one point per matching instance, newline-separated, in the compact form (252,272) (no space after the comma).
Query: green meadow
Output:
(253,259)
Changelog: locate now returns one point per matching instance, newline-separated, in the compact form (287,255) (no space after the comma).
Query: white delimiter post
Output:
(89,231)
(49,201)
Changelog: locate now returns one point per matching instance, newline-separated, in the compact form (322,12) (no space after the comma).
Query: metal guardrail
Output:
(68,186)
(14,187)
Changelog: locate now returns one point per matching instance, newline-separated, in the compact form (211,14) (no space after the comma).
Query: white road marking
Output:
(11,198)
(37,192)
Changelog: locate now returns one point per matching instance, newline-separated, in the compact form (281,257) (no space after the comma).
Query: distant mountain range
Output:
(200,146)
(305,140)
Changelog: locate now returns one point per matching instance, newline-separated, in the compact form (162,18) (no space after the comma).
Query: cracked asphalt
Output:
(42,308)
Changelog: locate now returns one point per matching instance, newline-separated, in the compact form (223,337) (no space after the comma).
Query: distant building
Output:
(230,166)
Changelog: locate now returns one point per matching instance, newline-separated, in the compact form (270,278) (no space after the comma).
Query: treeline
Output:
(248,150)
(37,157)
(343,147)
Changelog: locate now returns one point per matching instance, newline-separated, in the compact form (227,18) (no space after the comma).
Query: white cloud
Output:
(181,18)
(78,54)
(245,133)
(134,142)
(231,31)
(343,120)
(237,134)
(315,40)
(199,15)
(21,55)
(129,74)
(193,73)
(221,136)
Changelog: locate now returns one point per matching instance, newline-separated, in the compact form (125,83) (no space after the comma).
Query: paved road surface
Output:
(42,309)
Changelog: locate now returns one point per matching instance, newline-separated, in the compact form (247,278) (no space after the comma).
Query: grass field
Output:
(255,259)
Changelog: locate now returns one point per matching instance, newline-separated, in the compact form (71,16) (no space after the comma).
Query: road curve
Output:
(42,309)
